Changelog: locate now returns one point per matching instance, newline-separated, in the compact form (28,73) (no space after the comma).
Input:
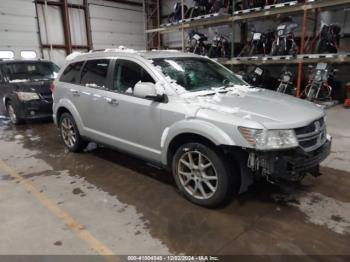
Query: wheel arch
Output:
(183,138)
(60,112)
(65,106)
(188,131)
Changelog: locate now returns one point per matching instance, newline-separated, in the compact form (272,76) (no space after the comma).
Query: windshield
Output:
(197,74)
(30,71)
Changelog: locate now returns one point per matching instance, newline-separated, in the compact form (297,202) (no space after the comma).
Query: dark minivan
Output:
(25,88)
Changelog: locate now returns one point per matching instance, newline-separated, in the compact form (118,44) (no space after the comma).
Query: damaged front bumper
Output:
(290,165)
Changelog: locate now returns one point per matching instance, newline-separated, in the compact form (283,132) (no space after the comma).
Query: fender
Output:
(65,103)
(193,126)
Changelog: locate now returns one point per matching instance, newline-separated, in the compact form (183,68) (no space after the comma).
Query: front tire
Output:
(13,114)
(253,50)
(212,53)
(70,134)
(202,174)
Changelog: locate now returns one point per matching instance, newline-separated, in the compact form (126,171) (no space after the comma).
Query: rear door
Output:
(71,89)
(94,81)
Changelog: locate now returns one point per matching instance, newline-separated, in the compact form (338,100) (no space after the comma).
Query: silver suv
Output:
(191,115)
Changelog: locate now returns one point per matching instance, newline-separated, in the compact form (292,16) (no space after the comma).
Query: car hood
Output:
(40,87)
(271,109)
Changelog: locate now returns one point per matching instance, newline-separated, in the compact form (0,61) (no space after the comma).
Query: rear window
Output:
(94,73)
(71,73)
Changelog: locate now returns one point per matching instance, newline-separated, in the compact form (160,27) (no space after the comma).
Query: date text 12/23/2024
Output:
(173,258)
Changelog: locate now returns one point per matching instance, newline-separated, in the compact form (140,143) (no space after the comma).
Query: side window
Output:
(71,73)
(127,74)
(94,73)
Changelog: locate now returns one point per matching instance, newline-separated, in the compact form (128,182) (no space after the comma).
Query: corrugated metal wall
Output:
(115,24)
(51,31)
(18,26)
(112,25)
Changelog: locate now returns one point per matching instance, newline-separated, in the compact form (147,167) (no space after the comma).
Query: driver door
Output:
(127,122)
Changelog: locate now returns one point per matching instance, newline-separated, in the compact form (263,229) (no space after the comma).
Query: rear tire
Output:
(273,49)
(212,53)
(294,49)
(171,18)
(202,174)
(70,134)
(253,50)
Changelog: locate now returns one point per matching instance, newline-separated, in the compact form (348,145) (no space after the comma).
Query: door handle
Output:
(75,92)
(112,101)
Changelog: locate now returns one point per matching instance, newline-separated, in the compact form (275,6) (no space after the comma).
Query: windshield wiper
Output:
(213,92)
(221,89)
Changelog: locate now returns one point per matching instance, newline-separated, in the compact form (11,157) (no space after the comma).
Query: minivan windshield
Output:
(197,74)
(31,70)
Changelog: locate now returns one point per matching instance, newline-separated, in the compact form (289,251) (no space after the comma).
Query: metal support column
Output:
(182,26)
(151,10)
(302,44)
(39,30)
(233,32)
(66,27)
(88,24)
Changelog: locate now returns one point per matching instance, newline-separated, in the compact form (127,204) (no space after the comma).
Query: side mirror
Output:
(147,90)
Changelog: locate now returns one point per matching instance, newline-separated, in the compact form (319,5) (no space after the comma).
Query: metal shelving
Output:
(305,58)
(217,19)
(260,13)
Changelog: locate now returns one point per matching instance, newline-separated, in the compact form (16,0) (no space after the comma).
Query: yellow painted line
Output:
(72,224)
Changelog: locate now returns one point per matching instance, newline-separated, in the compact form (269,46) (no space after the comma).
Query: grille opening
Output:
(309,128)
(311,142)
(308,143)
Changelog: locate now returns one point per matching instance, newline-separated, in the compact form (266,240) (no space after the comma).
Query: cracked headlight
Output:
(269,139)
(27,96)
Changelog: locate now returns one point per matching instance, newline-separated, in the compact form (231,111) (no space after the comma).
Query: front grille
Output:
(309,128)
(312,136)
(308,143)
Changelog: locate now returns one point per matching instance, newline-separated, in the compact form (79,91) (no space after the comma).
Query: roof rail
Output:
(121,49)
(96,50)
(165,50)
(73,55)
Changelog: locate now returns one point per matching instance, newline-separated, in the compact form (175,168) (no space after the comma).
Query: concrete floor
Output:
(103,202)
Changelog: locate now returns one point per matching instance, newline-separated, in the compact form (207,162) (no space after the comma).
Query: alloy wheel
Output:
(197,175)
(69,134)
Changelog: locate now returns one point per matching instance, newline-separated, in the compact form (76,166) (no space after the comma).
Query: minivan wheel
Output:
(70,134)
(12,114)
(201,174)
